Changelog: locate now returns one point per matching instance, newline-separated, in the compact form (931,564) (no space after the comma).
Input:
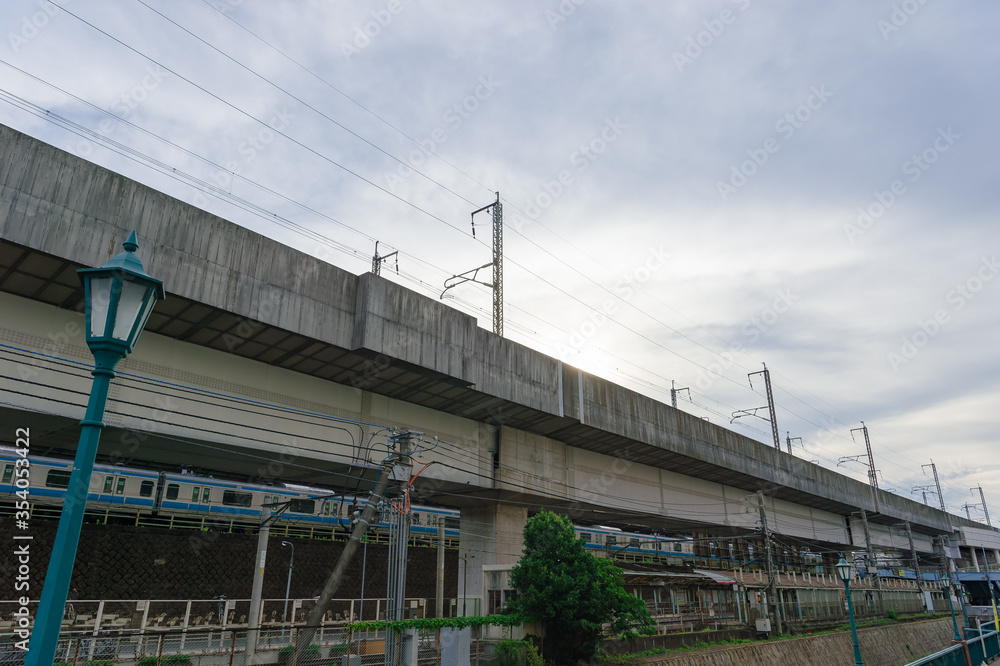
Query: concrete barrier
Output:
(890,645)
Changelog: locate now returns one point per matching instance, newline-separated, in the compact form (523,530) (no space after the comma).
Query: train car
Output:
(118,489)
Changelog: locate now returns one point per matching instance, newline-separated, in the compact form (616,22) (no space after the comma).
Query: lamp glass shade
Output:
(945,581)
(131,304)
(843,568)
(99,302)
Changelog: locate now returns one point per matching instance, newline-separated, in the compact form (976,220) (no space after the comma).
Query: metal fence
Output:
(229,647)
(983,644)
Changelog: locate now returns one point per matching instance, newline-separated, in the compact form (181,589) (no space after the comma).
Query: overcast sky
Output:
(690,188)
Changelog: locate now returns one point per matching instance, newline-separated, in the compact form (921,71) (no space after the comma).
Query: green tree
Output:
(571,592)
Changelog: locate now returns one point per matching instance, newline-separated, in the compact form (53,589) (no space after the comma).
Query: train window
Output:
(432,519)
(612,539)
(451,522)
(172,491)
(302,506)
(599,539)
(109,484)
(326,508)
(206,494)
(677,546)
(633,542)
(195,493)
(120,489)
(585,537)
(57,478)
(233,498)
(416,518)
(8,473)
(146,489)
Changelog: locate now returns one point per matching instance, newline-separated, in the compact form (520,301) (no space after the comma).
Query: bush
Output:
(892,615)
(311,652)
(172,660)
(518,653)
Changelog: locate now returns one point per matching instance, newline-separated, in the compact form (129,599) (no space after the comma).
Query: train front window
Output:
(57,478)
(146,489)
(173,490)
(8,473)
(109,484)
(120,489)
(302,506)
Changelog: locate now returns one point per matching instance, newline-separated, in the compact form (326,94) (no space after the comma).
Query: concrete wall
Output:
(891,645)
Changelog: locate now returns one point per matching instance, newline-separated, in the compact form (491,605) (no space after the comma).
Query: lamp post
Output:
(951,609)
(288,587)
(844,571)
(119,297)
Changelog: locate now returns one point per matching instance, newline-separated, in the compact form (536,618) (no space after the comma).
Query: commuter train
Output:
(183,497)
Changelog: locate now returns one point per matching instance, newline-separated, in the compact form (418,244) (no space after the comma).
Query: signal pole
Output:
(789,439)
(378,260)
(674,391)
(870,563)
(496,264)
(937,482)
(872,472)
(982,499)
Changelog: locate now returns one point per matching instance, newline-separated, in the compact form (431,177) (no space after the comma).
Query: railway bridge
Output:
(266,361)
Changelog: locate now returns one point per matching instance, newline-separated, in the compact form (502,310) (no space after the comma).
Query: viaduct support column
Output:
(490,544)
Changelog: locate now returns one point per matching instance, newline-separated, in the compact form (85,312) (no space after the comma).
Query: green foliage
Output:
(517,653)
(434,623)
(892,615)
(101,662)
(570,591)
(174,660)
(311,652)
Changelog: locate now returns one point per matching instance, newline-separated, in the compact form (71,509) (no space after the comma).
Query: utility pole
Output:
(770,405)
(674,391)
(870,563)
(333,582)
(937,482)
(253,623)
(465,579)
(496,265)
(982,499)
(872,472)
(923,490)
(399,536)
(439,591)
(913,554)
(378,260)
(772,593)
(789,439)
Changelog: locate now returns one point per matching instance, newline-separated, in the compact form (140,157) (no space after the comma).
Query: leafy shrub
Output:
(518,653)
(892,615)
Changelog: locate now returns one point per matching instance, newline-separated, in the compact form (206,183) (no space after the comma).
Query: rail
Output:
(981,646)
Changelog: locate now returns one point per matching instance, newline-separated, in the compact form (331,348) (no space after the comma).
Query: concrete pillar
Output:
(975,557)
(490,534)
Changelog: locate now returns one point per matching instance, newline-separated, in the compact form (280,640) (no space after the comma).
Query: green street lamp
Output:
(951,609)
(843,568)
(119,297)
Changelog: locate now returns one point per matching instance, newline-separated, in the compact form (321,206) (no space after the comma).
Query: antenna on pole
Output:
(497,264)
(674,391)
(740,413)
(378,260)
(982,499)
(789,439)
(937,482)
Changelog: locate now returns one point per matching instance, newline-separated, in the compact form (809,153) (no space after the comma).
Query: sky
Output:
(689,189)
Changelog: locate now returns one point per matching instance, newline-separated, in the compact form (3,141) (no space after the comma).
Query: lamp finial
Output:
(130,245)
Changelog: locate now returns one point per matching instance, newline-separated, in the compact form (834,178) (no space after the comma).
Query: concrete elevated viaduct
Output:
(267,361)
